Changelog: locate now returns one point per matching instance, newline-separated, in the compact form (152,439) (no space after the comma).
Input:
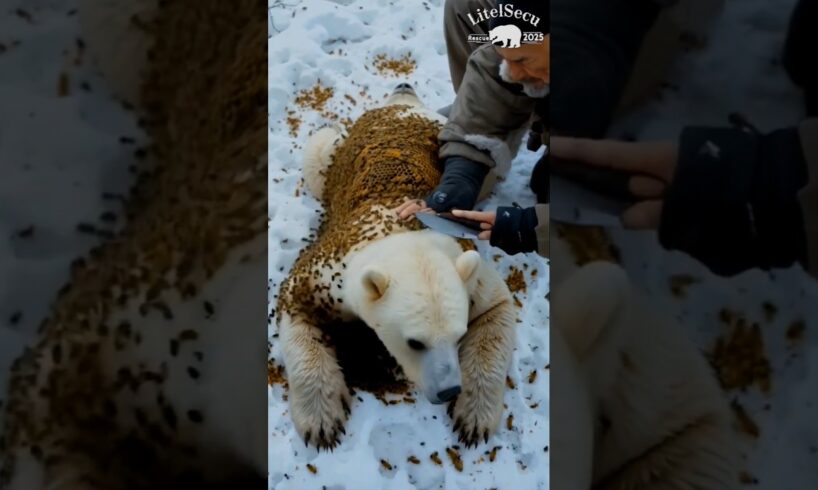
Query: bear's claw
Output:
(475,418)
(318,418)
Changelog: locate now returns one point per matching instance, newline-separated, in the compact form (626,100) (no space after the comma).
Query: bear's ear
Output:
(375,283)
(467,265)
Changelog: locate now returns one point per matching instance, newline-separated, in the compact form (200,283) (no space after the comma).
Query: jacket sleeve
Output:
(485,112)
(808,196)
(594,45)
(741,200)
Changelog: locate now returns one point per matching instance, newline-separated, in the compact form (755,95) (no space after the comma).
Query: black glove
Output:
(733,203)
(513,230)
(459,186)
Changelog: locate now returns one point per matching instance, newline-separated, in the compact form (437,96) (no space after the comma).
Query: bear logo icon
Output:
(507,36)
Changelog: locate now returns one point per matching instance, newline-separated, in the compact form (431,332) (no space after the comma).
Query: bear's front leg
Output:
(485,355)
(319,397)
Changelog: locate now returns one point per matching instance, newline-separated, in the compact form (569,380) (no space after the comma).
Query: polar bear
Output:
(446,316)
(507,36)
(659,418)
(124,389)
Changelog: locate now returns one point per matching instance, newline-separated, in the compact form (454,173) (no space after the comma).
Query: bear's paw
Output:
(476,413)
(320,410)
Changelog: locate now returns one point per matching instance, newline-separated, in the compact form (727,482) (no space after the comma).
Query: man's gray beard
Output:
(531,90)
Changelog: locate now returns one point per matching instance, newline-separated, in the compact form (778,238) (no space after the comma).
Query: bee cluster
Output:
(388,155)
(739,356)
(199,196)
(396,67)
(588,243)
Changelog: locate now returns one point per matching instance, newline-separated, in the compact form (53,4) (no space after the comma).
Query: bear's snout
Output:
(441,374)
(404,88)
(448,393)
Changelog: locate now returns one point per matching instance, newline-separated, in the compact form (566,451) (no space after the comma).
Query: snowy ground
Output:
(739,70)
(304,48)
(60,150)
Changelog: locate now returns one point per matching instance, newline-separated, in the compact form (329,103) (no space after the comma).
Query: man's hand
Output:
(459,185)
(410,207)
(653,165)
(486,219)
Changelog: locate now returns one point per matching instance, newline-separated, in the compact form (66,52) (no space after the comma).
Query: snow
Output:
(58,155)
(304,36)
(739,71)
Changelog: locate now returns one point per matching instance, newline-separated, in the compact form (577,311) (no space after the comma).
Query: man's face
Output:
(530,63)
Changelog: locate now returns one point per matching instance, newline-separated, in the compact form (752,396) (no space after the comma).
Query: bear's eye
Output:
(416,345)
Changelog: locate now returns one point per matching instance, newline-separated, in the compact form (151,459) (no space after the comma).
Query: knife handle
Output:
(602,180)
(468,223)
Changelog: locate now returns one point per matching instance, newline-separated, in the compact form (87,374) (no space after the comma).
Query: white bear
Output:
(444,315)
(507,36)
(660,419)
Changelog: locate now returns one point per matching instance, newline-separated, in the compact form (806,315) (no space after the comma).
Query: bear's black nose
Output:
(448,393)
(404,87)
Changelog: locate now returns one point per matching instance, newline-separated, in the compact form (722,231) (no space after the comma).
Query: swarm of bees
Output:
(371,173)
(588,243)
(201,194)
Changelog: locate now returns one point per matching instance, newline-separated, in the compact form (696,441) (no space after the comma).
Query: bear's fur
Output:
(321,146)
(117,36)
(125,387)
(405,284)
(660,419)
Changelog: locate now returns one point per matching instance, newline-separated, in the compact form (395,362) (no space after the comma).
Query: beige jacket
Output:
(486,125)
(488,117)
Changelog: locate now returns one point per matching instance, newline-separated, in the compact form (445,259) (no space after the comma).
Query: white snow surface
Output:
(58,155)
(303,36)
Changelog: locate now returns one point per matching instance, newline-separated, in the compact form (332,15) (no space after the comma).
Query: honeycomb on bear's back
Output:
(389,153)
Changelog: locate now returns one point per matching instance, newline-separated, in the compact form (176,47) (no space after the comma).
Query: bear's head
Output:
(413,290)
(403,94)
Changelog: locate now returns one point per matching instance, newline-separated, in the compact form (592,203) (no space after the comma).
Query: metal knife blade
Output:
(573,203)
(447,227)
